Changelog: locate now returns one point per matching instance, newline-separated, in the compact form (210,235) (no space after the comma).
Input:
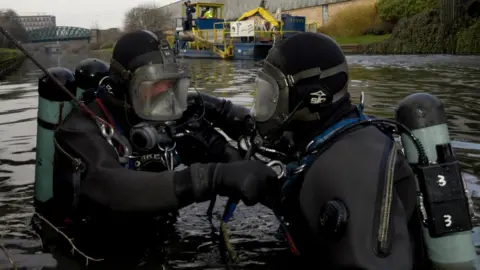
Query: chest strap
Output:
(297,167)
(129,164)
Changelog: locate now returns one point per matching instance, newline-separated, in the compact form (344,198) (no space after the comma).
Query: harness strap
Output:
(76,179)
(114,125)
(294,168)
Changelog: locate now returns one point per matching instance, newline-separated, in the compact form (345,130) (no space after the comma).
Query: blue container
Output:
(293,23)
(206,24)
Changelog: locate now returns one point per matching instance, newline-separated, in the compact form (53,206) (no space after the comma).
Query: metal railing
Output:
(221,35)
(205,39)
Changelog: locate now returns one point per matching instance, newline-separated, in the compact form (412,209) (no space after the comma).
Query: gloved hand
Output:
(221,113)
(250,181)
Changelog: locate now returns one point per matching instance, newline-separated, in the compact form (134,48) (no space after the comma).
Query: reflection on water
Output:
(384,79)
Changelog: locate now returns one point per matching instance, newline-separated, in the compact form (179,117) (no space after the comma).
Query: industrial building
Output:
(318,11)
(36,22)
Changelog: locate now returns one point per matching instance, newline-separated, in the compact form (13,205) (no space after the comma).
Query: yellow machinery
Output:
(203,31)
(211,37)
(217,9)
(263,13)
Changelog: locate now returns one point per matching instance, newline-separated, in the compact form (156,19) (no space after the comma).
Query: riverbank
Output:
(430,27)
(425,34)
(10,60)
(351,45)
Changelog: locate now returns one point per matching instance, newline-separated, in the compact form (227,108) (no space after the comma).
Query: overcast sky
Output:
(81,13)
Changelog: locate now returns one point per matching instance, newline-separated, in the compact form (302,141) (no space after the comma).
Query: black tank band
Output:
(46,125)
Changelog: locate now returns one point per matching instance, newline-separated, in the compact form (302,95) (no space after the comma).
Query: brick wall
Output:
(315,14)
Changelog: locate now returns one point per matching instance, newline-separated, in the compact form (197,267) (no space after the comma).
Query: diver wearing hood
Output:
(345,206)
(130,176)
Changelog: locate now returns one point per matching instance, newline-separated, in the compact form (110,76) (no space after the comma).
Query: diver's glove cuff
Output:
(195,184)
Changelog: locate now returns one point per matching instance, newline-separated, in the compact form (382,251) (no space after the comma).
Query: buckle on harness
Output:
(168,156)
(282,168)
(290,80)
(108,132)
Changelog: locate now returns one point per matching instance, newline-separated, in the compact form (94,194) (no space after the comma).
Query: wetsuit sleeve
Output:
(353,170)
(105,181)
(221,113)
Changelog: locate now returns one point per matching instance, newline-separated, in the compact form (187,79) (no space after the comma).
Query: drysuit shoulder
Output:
(353,171)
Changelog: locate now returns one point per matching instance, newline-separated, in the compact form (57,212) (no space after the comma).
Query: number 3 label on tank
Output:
(447,220)
(441,180)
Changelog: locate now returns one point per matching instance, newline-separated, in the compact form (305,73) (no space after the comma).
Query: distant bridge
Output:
(58,33)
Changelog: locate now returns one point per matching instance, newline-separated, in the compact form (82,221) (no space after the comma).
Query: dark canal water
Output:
(384,79)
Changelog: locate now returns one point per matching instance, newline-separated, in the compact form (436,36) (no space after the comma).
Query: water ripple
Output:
(384,79)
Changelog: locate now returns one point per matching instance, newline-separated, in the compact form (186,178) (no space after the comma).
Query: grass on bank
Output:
(109,50)
(351,24)
(366,39)
(352,21)
(6,54)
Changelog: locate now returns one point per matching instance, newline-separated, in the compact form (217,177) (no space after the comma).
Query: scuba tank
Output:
(53,106)
(444,203)
(88,74)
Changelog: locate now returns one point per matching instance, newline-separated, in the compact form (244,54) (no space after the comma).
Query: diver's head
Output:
(49,89)
(146,75)
(302,79)
(90,72)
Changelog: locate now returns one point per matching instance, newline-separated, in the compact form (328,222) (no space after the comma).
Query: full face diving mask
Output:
(158,92)
(157,86)
(271,108)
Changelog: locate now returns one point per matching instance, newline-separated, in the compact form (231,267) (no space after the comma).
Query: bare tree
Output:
(147,17)
(9,21)
(263,4)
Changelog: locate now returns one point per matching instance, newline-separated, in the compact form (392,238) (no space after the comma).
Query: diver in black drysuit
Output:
(341,211)
(124,199)
(189,10)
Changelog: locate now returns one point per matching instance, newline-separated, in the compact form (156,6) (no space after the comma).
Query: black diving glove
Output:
(250,181)
(221,113)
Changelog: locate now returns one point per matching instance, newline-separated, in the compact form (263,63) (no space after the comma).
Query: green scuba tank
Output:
(53,106)
(88,74)
(443,200)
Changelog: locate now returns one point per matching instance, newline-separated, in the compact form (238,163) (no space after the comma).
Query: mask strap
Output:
(313,72)
(125,75)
